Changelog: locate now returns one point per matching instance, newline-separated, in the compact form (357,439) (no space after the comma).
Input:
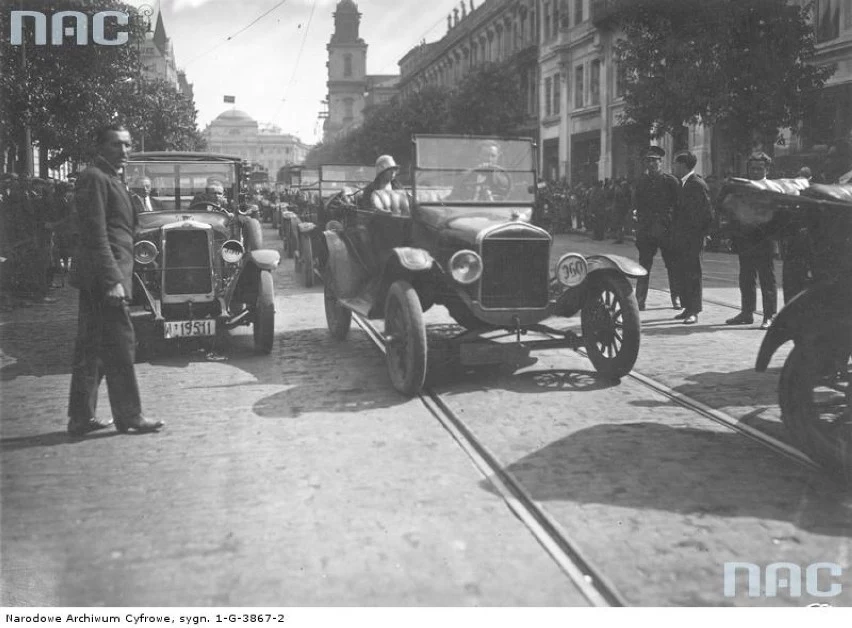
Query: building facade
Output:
(158,56)
(234,132)
(494,31)
(351,91)
(582,100)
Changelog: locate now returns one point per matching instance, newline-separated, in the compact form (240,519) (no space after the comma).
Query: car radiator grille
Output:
(515,273)
(187,262)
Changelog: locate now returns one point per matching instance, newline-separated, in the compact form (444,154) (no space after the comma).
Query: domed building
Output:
(234,132)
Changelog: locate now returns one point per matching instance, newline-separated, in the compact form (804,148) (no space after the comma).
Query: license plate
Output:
(189,329)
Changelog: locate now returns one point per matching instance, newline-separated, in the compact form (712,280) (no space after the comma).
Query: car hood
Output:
(464,224)
(155,220)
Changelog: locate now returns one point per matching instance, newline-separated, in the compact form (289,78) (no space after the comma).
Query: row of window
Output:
(583,97)
(559,10)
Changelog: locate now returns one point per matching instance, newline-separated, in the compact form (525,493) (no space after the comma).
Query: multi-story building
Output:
(582,100)
(234,132)
(158,56)
(351,91)
(496,30)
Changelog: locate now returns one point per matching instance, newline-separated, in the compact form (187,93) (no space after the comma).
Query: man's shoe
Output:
(691,319)
(81,428)
(767,322)
(140,426)
(740,319)
(676,303)
(683,315)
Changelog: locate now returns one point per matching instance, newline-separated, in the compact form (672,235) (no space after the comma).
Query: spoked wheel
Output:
(611,327)
(814,394)
(405,334)
(264,314)
(339,318)
(307,261)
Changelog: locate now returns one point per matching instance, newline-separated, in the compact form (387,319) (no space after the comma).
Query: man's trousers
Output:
(648,247)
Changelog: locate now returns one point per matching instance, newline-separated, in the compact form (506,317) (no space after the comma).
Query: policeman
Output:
(654,200)
(756,252)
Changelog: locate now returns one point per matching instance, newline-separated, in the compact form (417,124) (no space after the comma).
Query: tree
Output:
(740,63)
(488,101)
(164,117)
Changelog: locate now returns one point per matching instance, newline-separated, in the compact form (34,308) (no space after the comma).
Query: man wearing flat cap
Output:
(756,252)
(654,200)
(386,170)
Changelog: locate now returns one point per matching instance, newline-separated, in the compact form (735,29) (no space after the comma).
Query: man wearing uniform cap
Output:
(756,252)
(654,200)
(386,170)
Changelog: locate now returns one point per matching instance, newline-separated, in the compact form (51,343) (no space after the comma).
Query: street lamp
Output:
(144,14)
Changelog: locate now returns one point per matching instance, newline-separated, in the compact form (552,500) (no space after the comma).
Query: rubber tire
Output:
(622,363)
(403,303)
(794,394)
(252,234)
(339,318)
(307,261)
(263,327)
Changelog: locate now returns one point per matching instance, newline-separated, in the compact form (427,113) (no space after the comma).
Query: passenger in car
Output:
(386,170)
(488,181)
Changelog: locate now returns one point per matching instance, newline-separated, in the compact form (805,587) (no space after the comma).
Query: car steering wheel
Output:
(208,205)
(489,185)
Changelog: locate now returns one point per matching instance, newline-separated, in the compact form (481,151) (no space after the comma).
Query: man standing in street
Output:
(654,200)
(105,344)
(692,219)
(756,251)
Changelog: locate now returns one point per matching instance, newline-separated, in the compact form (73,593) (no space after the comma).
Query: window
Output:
(595,82)
(548,94)
(827,20)
(347,65)
(578,12)
(557,93)
(556,18)
(546,21)
(347,109)
(620,81)
(578,87)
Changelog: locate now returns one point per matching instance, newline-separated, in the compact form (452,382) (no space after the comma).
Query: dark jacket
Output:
(655,199)
(693,215)
(106,219)
(139,203)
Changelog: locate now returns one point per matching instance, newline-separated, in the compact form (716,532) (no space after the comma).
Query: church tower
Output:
(347,72)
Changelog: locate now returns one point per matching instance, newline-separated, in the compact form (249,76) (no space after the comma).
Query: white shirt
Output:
(846,178)
(689,174)
(148,207)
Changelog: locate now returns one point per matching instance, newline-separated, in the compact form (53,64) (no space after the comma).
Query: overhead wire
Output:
(298,59)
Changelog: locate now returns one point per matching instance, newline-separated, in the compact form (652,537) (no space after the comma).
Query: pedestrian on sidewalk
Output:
(105,345)
(654,200)
(690,225)
(756,251)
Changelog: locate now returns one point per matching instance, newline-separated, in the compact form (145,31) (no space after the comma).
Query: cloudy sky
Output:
(276,67)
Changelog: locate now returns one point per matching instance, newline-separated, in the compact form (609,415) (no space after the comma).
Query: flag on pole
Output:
(230,99)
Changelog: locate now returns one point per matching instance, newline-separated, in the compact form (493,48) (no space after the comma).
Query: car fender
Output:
(140,288)
(345,274)
(817,308)
(620,263)
(413,259)
(264,259)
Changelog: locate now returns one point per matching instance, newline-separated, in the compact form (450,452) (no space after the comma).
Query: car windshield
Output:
(474,170)
(310,178)
(176,184)
(346,178)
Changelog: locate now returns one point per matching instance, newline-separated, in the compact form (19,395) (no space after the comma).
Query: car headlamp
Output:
(466,267)
(145,252)
(571,270)
(232,251)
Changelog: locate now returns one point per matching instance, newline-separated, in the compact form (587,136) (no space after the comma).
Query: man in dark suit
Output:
(692,219)
(654,200)
(105,342)
(756,251)
(141,196)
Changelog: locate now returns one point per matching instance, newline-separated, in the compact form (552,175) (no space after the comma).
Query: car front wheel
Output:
(405,335)
(339,318)
(264,314)
(611,326)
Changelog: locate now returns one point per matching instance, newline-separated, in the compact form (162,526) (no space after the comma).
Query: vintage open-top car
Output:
(337,185)
(200,266)
(301,206)
(464,240)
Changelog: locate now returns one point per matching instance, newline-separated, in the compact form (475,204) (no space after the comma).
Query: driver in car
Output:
(488,181)
(213,194)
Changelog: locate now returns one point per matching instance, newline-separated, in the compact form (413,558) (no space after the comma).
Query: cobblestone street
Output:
(303,478)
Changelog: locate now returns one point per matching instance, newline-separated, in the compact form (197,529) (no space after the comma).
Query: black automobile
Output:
(200,266)
(463,239)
